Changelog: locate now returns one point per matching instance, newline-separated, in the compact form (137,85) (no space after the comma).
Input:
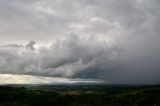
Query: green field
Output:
(81,95)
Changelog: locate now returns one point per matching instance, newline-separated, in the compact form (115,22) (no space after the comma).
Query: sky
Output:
(69,41)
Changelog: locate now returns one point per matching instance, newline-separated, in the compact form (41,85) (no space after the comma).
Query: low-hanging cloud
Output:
(79,57)
(64,58)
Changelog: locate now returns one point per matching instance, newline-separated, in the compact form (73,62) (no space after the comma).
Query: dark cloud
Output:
(31,44)
(115,41)
(64,58)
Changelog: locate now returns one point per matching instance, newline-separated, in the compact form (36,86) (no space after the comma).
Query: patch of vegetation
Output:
(103,96)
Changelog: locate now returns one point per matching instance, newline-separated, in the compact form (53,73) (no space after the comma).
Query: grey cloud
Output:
(11,46)
(115,41)
(31,44)
(64,58)
(77,57)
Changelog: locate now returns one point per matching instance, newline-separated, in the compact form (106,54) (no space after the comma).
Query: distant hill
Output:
(79,95)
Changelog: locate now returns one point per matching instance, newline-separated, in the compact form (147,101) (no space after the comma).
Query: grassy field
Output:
(80,96)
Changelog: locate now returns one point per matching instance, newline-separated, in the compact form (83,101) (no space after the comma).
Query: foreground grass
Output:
(114,96)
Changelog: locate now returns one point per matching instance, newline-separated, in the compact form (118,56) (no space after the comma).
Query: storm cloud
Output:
(114,41)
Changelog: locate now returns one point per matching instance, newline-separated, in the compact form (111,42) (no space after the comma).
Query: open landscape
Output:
(79,95)
(79,52)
